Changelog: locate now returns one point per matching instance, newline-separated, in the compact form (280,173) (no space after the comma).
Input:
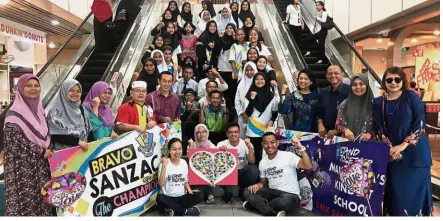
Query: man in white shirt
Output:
(247,171)
(185,82)
(277,192)
(213,75)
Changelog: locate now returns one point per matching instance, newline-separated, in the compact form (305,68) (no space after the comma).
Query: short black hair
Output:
(166,48)
(215,92)
(311,77)
(270,134)
(232,124)
(172,141)
(207,83)
(165,73)
(183,30)
(188,66)
(398,71)
(189,90)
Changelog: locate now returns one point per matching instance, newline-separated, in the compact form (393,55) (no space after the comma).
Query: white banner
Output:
(19,31)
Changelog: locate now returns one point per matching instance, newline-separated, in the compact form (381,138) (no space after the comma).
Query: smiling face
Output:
(334,75)
(253,36)
(248,22)
(187,8)
(204,6)
(213,27)
(229,30)
(233,134)
(234,6)
(358,87)
(201,134)
(170,28)
(252,55)
(206,16)
(244,6)
(240,35)
(215,99)
(176,150)
(149,67)
(168,15)
(270,144)
(261,63)
(105,96)
(303,81)
(249,71)
(211,86)
(32,89)
(165,83)
(159,41)
(225,13)
(168,55)
(172,6)
(158,58)
(393,83)
(260,81)
(138,95)
(74,93)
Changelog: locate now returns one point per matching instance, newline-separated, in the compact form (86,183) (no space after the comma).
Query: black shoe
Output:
(248,206)
(192,211)
(169,212)
(227,198)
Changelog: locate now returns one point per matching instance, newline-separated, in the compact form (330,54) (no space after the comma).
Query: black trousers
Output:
(258,148)
(295,31)
(229,94)
(271,201)
(321,37)
(247,176)
(179,204)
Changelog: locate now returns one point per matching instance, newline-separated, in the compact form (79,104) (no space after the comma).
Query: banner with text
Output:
(120,173)
(346,179)
(19,31)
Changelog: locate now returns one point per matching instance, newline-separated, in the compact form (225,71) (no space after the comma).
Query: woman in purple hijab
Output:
(100,114)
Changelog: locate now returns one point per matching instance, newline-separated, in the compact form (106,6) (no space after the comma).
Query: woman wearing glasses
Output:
(354,119)
(399,118)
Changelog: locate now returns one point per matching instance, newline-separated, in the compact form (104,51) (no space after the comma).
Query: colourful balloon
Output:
(63,191)
(358,177)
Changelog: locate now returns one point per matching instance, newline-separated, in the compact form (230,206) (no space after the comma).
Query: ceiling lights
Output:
(55,22)
(414,40)
(436,32)
(4,2)
(379,40)
(51,45)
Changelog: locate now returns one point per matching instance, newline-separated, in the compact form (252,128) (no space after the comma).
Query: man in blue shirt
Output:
(330,98)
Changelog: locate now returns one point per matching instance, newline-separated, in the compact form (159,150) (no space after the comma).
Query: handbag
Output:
(328,25)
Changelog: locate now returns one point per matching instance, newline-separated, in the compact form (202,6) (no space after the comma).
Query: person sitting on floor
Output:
(176,196)
(277,192)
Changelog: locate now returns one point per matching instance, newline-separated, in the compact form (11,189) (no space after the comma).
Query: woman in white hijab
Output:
(249,70)
(224,19)
(205,17)
(160,59)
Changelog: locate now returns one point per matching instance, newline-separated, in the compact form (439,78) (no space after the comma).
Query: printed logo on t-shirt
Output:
(176,179)
(273,173)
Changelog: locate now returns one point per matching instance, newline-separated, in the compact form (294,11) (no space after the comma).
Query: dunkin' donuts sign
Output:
(16,30)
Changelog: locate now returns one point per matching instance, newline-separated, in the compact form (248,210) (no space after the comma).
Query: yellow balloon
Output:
(55,185)
(43,192)
(371,174)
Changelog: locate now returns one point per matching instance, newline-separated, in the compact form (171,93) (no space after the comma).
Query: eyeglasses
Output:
(358,84)
(397,80)
(201,132)
(140,91)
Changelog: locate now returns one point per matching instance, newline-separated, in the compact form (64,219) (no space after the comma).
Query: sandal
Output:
(210,199)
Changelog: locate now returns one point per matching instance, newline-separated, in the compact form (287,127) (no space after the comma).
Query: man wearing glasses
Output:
(330,98)
(135,115)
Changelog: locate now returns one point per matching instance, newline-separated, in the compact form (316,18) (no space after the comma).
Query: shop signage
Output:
(19,31)
(417,53)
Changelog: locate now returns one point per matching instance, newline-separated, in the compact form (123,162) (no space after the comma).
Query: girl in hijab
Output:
(68,122)
(263,67)
(208,6)
(173,8)
(27,148)
(261,111)
(172,36)
(201,134)
(205,17)
(225,19)
(303,103)
(225,68)
(245,11)
(185,15)
(103,34)
(250,69)
(161,27)
(354,119)
(157,43)
(248,26)
(255,43)
(237,53)
(252,55)
(234,13)
(127,12)
(188,41)
(159,60)
(99,112)
(210,47)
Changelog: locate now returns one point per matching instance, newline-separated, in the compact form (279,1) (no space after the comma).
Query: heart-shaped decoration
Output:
(213,167)
(352,176)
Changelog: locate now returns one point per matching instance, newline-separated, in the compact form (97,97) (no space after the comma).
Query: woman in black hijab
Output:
(234,12)
(173,7)
(185,15)
(148,74)
(127,12)
(209,49)
(207,5)
(157,43)
(245,11)
(161,27)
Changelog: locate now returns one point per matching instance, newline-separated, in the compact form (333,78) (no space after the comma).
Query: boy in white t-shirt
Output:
(277,192)
(247,171)
(176,196)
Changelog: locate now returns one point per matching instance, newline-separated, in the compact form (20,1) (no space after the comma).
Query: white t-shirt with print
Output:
(242,150)
(281,172)
(176,178)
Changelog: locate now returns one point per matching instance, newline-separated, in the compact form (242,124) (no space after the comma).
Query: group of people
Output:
(234,106)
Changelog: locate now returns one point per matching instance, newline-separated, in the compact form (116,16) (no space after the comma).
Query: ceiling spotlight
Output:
(436,32)
(51,45)
(55,22)
(414,40)
(379,40)
(4,2)
(390,43)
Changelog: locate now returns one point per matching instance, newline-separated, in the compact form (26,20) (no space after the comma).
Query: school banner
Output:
(208,166)
(120,174)
(347,178)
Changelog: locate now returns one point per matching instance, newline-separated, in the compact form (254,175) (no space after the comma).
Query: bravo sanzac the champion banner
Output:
(115,177)
(346,178)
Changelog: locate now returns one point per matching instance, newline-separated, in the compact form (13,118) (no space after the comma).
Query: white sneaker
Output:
(281,213)
(307,54)
(319,61)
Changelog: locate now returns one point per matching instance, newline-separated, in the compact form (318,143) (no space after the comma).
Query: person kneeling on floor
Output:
(277,192)
(176,196)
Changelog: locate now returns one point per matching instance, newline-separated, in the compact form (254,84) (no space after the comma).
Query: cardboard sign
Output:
(120,173)
(208,166)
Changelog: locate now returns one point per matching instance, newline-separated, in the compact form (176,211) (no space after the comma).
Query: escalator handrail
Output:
(360,57)
(64,45)
(297,49)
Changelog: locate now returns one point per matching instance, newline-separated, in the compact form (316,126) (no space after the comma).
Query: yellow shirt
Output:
(141,115)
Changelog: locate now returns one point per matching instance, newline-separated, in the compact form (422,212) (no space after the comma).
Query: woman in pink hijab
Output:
(26,152)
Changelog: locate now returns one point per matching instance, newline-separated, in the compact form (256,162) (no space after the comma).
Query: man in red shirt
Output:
(135,115)
(166,105)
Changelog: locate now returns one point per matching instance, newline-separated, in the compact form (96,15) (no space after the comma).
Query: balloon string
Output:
(370,209)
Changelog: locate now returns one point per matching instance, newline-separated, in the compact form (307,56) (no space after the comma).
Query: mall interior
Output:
(54,40)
